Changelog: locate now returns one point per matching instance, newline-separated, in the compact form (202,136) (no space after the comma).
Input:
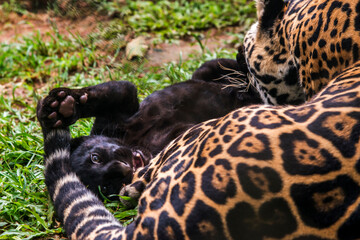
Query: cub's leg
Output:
(64,106)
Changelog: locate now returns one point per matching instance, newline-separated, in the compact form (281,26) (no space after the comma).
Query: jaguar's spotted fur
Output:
(297,46)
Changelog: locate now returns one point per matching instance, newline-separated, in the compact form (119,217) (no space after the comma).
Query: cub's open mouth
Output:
(138,159)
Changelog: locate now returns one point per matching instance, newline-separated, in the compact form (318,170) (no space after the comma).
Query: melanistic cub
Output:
(126,134)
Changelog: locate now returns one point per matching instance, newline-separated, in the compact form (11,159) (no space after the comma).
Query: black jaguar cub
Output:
(126,134)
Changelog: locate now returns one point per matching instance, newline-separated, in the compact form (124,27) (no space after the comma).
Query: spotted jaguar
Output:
(297,46)
(261,171)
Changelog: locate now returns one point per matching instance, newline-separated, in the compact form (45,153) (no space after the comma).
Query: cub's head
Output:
(273,69)
(105,164)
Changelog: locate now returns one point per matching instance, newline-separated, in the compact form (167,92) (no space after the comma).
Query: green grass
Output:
(174,19)
(13,6)
(32,66)
(165,19)
(36,60)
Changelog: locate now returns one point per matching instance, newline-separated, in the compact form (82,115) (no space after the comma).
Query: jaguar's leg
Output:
(64,106)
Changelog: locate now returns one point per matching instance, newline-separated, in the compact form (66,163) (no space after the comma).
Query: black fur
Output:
(272,9)
(126,134)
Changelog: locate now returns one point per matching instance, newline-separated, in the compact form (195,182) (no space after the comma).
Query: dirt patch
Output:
(13,26)
(164,52)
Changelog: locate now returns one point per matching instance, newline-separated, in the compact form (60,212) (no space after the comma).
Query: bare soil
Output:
(13,27)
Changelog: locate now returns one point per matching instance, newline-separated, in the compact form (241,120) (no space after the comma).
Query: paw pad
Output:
(54,104)
(60,107)
(67,106)
(83,99)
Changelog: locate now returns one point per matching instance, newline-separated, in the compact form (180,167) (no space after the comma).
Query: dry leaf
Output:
(136,48)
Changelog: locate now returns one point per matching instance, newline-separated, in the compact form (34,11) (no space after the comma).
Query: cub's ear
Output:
(267,12)
(76,142)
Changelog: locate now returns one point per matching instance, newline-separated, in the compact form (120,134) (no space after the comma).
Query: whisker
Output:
(236,82)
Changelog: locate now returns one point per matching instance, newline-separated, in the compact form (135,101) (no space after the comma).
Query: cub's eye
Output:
(95,158)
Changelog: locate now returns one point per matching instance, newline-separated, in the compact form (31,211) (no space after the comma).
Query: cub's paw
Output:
(61,107)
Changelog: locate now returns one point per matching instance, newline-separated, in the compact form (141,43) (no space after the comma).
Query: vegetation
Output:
(180,18)
(33,65)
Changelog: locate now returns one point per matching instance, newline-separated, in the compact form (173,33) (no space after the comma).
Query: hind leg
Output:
(64,106)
